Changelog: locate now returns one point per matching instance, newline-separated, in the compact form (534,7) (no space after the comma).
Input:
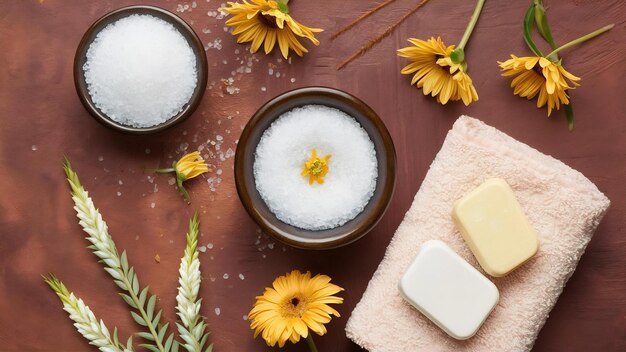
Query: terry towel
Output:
(563,206)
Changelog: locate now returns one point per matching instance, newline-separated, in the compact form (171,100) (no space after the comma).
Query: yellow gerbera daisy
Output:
(538,75)
(295,303)
(315,168)
(189,166)
(267,22)
(436,73)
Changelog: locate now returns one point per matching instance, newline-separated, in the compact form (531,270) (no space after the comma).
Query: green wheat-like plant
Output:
(193,327)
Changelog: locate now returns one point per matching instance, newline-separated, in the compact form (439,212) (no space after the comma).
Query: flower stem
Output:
(471,24)
(164,171)
(311,343)
(584,38)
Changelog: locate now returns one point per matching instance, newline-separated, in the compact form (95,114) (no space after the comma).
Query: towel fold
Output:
(563,206)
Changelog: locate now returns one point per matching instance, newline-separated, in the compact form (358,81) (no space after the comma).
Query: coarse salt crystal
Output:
(287,144)
(140,71)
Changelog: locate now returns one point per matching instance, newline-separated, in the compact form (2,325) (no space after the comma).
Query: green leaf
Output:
(529,20)
(168,343)
(150,347)
(146,335)
(142,296)
(120,284)
(128,300)
(135,283)
(175,346)
(138,319)
(129,343)
(209,349)
(162,331)
(124,262)
(156,319)
(150,307)
(542,23)
(116,340)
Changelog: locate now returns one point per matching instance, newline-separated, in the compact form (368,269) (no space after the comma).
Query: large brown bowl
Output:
(256,207)
(184,29)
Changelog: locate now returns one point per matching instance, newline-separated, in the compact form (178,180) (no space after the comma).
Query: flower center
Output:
(267,20)
(316,168)
(537,68)
(294,308)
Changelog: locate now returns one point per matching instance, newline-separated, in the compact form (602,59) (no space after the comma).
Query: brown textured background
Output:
(39,110)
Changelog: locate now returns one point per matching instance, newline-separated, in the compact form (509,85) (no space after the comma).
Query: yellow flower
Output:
(436,73)
(538,75)
(267,22)
(315,168)
(294,304)
(189,166)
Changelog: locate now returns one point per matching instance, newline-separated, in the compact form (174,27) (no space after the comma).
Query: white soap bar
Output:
(448,290)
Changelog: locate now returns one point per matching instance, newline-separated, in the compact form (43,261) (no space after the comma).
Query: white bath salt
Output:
(245,317)
(225,276)
(140,71)
(152,205)
(218,311)
(263,89)
(288,143)
(209,245)
(202,249)
(119,194)
(100,158)
(241,277)
(33,147)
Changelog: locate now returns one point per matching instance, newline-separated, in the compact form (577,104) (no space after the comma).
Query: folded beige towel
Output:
(563,206)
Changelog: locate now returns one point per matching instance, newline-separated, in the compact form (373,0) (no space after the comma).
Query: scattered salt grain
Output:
(209,245)
(202,249)
(152,205)
(225,276)
(245,317)
(241,277)
(351,179)
(119,194)
(147,150)
(140,71)
(217,311)
(33,147)
(100,158)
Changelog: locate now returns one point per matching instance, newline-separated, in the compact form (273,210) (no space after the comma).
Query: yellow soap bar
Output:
(495,228)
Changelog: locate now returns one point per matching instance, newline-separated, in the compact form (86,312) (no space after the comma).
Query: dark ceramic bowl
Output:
(256,207)
(180,25)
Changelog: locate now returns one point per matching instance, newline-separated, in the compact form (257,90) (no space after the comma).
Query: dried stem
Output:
(376,40)
(360,18)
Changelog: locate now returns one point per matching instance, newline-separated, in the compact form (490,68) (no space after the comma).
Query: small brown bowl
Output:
(180,25)
(256,207)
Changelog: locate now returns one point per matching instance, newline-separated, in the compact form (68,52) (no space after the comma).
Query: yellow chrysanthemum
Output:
(268,22)
(295,303)
(315,168)
(538,75)
(435,72)
(189,166)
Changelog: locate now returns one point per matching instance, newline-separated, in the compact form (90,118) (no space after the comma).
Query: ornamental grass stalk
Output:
(155,332)
(440,70)
(544,76)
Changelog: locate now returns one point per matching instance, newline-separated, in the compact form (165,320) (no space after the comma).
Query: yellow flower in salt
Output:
(295,303)
(268,22)
(538,75)
(315,168)
(434,71)
(189,166)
